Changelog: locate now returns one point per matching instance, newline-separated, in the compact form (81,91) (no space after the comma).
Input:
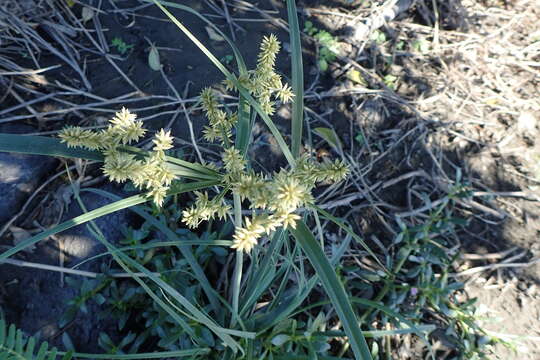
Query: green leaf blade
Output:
(334,289)
(102,211)
(41,145)
(297,78)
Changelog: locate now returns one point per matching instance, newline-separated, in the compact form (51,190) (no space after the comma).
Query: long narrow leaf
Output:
(158,244)
(179,166)
(297,79)
(255,277)
(41,145)
(381,333)
(102,211)
(333,288)
(154,355)
(184,249)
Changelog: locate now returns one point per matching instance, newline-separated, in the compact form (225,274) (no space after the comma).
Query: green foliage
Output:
(379,37)
(328,45)
(120,45)
(14,345)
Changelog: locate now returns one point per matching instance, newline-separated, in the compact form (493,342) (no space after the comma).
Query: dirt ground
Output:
(450,87)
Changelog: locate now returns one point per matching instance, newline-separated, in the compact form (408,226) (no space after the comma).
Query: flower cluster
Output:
(273,200)
(263,83)
(150,172)
(279,197)
(204,209)
(220,123)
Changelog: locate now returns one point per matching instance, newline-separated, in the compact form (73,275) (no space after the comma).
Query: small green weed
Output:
(379,37)
(328,45)
(227,59)
(390,81)
(121,46)
(14,345)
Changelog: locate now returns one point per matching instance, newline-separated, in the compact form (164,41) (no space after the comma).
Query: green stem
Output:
(237,276)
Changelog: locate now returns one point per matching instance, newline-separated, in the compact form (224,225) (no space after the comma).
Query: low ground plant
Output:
(327,45)
(199,217)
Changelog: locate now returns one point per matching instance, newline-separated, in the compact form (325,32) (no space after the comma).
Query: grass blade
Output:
(348,230)
(102,211)
(267,264)
(41,145)
(155,355)
(297,78)
(184,249)
(158,244)
(333,288)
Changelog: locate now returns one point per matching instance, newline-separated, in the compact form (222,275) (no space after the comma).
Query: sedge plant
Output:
(280,205)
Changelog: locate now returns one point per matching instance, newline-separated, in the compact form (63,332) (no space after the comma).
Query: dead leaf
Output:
(64,194)
(356,77)
(153,59)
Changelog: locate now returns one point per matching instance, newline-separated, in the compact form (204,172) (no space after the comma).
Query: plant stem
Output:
(237,276)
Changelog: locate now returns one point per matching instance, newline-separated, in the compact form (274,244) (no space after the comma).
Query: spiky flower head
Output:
(150,173)
(245,238)
(287,220)
(268,52)
(329,171)
(204,209)
(121,166)
(125,128)
(158,194)
(219,122)
(285,93)
(233,161)
(76,136)
(163,140)
(290,193)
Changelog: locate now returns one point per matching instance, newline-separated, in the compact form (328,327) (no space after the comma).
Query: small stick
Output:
(229,20)
(494,267)
(490,256)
